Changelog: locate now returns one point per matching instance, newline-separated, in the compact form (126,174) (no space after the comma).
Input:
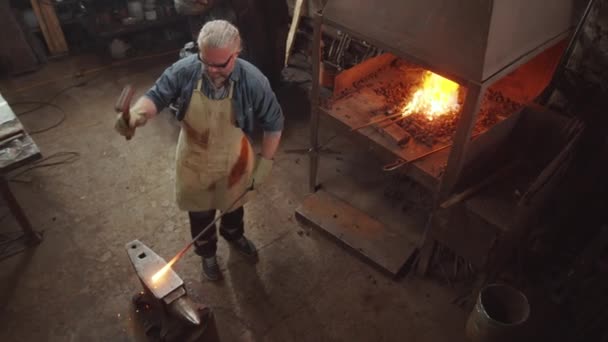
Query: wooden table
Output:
(17,148)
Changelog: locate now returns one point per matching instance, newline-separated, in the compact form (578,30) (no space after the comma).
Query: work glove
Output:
(261,170)
(137,118)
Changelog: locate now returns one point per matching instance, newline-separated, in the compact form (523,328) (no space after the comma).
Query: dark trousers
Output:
(231,228)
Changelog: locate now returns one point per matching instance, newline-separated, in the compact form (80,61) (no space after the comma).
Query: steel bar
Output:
(314,102)
(461,138)
(212,224)
(11,137)
(399,163)
(376,121)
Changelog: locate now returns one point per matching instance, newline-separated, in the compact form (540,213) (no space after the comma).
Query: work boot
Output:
(211,269)
(245,247)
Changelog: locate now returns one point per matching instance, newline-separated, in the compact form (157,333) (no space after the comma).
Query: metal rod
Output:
(332,47)
(396,165)
(314,101)
(376,121)
(441,148)
(17,135)
(212,224)
(546,94)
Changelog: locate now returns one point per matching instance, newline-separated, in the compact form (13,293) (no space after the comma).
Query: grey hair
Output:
(219,34)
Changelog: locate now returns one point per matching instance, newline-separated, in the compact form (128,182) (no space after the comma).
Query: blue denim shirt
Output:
(253,99)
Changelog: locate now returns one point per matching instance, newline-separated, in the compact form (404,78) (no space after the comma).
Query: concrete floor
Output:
(77,285)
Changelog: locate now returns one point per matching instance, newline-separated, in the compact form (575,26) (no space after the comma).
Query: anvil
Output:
(169,290)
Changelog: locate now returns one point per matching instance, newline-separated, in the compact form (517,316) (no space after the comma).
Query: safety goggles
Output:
(219,66)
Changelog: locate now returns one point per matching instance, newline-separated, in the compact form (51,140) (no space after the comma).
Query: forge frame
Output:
(442,170)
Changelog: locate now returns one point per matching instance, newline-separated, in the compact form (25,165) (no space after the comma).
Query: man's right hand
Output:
(123,127)
(127,129)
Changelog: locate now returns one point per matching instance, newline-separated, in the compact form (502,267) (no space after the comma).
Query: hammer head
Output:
(169,289)
(124,100)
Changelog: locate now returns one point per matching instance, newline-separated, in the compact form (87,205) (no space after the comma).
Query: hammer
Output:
(124,103)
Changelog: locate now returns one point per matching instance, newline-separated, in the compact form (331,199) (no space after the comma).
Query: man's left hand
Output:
(261,171)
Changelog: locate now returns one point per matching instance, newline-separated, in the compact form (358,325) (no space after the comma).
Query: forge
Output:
(449,104)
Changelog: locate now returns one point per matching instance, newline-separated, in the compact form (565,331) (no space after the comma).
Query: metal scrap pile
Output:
(396,84)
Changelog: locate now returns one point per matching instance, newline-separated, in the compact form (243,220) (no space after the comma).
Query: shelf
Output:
(71,21)
(387,247)
(426,171)
(118,29)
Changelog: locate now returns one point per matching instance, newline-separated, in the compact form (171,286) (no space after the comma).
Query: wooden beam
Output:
(295,21)
(50,26)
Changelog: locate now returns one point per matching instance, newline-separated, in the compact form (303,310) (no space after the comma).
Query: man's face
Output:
(219,63)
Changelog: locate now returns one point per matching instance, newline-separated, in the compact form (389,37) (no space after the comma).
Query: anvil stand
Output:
(10,244)
(158,325)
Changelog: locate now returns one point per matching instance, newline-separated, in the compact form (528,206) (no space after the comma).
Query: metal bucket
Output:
(499,314)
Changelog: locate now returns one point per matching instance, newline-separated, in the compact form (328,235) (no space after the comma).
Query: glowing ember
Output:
(163,271)
(437,96)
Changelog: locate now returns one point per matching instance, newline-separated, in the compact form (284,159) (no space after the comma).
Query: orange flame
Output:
(163,270)
(437,96)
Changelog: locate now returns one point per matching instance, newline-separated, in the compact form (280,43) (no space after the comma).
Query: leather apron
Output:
(214,159)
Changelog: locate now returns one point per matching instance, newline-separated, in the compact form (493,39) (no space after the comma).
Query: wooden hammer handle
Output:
(123,105)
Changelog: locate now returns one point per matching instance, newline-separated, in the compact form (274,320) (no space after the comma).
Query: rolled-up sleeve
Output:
(165,89)
(268,111)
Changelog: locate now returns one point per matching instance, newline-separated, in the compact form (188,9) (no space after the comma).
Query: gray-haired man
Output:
(223,97)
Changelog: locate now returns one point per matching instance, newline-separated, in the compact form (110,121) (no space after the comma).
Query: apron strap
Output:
(231,91)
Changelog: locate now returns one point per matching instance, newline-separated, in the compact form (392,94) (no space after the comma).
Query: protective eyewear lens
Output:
(219,66)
